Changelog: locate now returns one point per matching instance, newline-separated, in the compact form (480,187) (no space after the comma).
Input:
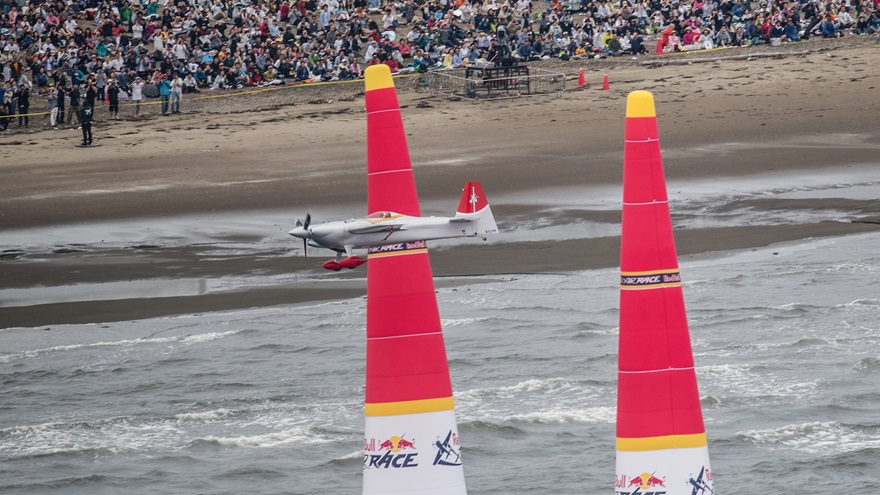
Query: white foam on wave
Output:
(205,415)
(850,267)
(859,303)
(359,454)
(185,340)
(297,435)
(548,400)
(458,322)
(110,436)
(867,364)
(793,307)
(743,380)
(206,337)
(528,386)
(589,415)
(824,438)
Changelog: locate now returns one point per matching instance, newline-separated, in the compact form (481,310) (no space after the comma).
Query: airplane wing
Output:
(376,228)
(390,182)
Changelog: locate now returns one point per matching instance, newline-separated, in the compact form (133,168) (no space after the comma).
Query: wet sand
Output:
(722,119)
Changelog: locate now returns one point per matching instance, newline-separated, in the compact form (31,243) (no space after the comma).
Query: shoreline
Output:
(452,267)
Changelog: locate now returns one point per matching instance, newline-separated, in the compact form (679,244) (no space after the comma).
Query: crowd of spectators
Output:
(120,47)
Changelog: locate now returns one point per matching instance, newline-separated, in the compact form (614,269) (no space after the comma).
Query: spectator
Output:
(137,95)
(23,96)
(190,85)
(176,92)
(829,29)
(52,99)
(790,31)
(113,99)
(60,95)
(164,93)
(86,124)
(613,47)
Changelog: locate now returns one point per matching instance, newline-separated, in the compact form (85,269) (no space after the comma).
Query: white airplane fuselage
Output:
(362,233)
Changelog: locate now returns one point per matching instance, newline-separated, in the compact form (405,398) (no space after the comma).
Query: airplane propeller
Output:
(305,231)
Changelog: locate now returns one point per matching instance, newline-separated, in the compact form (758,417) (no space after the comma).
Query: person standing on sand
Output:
(86,120)
(60,94)
(8,95)
(137,95)
(74,105)
(113,99)
(91,94)
(52,109)
(24,103)
(100,85)
(176,93)
(164,93)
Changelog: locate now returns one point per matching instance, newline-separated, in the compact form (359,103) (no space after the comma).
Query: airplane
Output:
(473,218)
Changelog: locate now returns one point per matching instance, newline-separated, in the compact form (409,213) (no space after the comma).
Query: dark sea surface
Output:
(269,401)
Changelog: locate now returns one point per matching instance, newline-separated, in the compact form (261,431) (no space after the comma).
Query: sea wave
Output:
(353,459)
(456,322)
(744,382)
(496,428)
(205,415)
(109,436)
(184,340)
(868,364)
(527,386)
(299,435)
(859,302)
(589,415)
(822,438)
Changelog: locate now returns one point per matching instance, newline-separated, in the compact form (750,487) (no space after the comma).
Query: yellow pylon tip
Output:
(640,104)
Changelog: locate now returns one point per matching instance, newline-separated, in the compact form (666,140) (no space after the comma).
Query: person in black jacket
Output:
(74,105)
(113,99)
(24,103)
(60,93)
(91,94)
(86,120)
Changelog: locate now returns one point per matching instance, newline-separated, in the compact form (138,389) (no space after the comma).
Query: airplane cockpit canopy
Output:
(380,214)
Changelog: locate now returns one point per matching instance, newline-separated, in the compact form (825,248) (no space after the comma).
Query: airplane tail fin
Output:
(474,206)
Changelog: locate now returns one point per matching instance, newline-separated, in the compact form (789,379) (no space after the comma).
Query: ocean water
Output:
(269,401)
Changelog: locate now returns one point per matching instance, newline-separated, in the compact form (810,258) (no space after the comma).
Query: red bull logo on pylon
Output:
(641,483)
(385,454)
(394,444)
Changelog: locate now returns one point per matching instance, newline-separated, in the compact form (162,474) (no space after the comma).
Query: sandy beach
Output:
(726,117)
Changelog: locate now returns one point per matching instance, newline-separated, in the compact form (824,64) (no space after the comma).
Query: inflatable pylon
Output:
(411,442)
(581,79)
(605,85)
(661,439)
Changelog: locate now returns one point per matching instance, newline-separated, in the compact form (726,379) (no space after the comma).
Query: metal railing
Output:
(471,84)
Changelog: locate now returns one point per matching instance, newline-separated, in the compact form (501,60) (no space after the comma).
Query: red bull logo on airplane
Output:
(394,455)
(642,484)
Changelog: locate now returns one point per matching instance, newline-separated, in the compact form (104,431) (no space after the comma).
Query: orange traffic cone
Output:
(605,84)
(581,80)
